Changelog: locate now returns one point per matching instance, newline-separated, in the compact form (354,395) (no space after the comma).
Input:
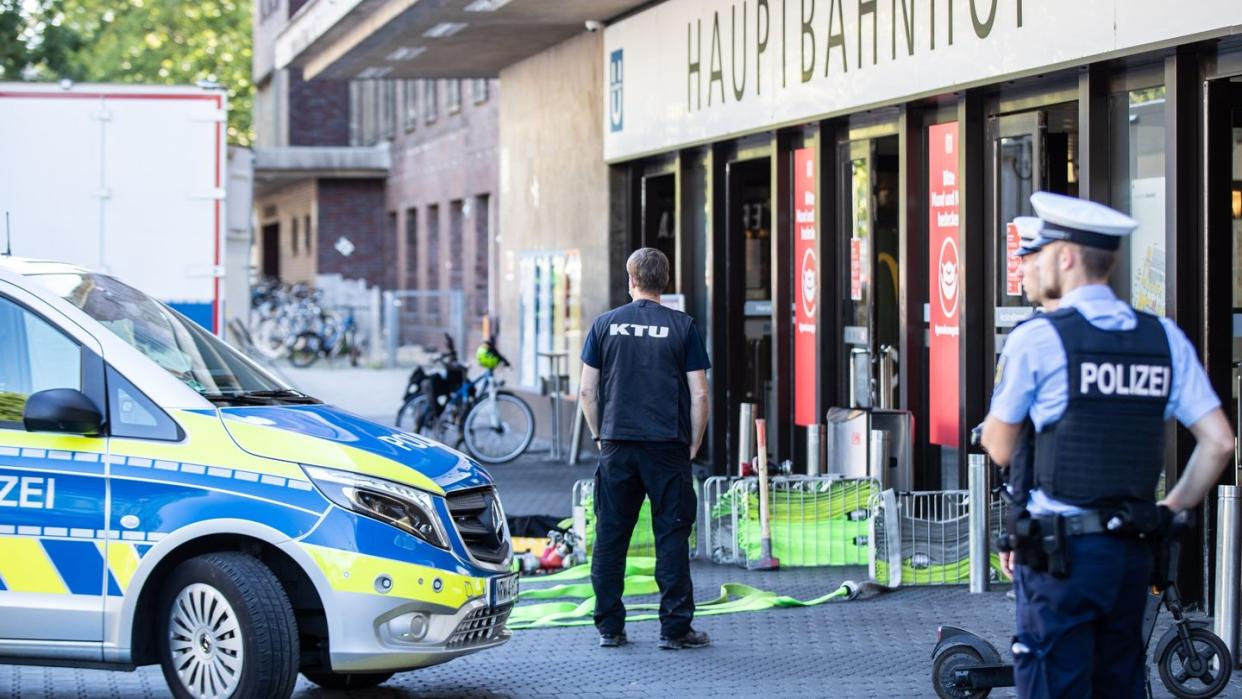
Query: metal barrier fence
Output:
(422,318)
(923,537)
(814,520)
(642,543)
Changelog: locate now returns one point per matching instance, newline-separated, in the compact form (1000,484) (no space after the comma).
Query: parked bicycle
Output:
(336,337)
(289,320)
(442,403)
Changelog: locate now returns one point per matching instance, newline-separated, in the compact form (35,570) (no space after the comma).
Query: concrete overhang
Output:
(275,167)
(347,39)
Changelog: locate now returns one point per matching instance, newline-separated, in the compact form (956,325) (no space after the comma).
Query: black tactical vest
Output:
(1108,447)
(1021,479)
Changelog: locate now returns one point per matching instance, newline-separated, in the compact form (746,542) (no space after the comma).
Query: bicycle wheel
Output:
(305,349)
(498,431)
(269,338)
(418,417)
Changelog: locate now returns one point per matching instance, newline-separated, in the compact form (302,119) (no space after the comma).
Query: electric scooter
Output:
(1192,661)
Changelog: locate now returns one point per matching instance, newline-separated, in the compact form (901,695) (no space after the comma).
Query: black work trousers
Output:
(627,472)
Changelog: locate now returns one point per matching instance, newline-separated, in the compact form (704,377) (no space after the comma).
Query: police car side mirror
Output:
(65,410)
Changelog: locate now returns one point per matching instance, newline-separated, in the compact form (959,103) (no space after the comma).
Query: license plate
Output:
(504,590)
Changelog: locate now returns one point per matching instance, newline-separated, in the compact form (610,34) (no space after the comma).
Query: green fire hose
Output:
(639,580)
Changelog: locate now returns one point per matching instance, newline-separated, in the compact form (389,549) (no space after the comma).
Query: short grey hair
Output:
(649,269)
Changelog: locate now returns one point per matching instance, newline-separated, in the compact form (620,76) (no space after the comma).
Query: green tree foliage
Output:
(153,42)
(33,44)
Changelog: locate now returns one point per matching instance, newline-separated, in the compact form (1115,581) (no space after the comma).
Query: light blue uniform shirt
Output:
(1032,378)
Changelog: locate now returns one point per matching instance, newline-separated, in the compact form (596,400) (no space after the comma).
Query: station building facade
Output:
(834,182)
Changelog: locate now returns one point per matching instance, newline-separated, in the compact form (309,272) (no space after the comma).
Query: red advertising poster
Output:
(945,292)
(1013,279)
(806,290)
(855,269)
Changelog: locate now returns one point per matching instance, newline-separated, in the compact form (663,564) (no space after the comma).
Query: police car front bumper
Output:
(379,634)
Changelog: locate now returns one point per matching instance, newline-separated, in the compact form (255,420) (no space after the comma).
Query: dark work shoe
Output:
(692,639)
(608,640)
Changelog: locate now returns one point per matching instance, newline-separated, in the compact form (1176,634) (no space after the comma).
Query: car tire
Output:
(226,628)
(344,681)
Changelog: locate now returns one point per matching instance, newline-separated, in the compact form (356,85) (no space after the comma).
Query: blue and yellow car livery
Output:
(392,550)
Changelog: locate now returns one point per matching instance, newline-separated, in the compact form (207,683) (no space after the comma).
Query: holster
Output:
(1023,537)
(1055,543)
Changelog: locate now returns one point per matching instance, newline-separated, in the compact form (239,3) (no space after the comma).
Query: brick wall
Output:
(354,209)
(318,111)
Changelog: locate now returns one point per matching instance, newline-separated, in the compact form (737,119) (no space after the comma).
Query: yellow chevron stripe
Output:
(26,567)
(122,561)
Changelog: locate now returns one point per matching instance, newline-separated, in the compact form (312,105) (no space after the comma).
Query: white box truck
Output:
(124,179)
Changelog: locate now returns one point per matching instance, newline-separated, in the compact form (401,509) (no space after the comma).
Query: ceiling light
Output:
(406,53)
(486,5)
(444,29)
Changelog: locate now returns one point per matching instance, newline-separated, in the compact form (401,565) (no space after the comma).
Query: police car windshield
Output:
(179,345)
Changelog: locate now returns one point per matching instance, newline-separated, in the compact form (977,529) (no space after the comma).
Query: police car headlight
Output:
(408,509)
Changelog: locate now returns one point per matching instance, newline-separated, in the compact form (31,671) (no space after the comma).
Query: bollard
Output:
(1228,558)
(575,439)
(878,458)
(980,562)
(815,449)
(745,437)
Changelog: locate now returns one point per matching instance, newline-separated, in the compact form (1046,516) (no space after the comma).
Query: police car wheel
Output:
(227,630)
(353,680)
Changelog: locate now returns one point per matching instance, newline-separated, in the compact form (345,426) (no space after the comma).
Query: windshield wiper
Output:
(286,394)
(265,397)
(239,398)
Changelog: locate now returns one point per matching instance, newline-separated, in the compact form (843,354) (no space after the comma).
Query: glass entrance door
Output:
(1030,152)
(749,244)
(869,277)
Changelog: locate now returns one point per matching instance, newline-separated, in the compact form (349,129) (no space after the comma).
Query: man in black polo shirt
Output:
(644,395)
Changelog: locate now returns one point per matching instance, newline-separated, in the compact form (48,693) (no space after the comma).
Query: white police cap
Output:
(1030,232)
(1081,221)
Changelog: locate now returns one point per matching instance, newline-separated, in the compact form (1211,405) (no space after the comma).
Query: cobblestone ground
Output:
(877,647)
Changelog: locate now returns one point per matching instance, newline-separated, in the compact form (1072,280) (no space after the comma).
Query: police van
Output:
(165,500)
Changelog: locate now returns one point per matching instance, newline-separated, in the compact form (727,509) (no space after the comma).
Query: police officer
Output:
(644,396)
(1098,381)
(1020,468)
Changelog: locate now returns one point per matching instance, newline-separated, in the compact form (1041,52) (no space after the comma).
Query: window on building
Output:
(411,248)
(368,112)
(452,98)
(306,235)
(293,238)
(456,262)
(355,113)
(409,93)
(37,357)
(432,252)
(480,211)
(388,102)
(1138,188)
(478,90)
(429,101)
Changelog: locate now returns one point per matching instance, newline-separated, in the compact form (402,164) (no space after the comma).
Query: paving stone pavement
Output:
(877,647)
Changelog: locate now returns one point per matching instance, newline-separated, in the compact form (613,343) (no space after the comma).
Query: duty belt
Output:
(1076,524)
